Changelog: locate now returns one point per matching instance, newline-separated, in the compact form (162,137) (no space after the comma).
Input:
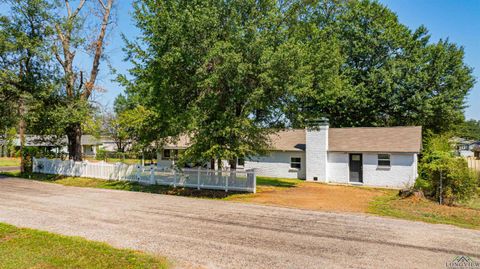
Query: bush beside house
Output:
(443,175)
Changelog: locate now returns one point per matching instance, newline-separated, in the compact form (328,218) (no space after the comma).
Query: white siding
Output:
(109,146)
(316,153)
(337,167)
(466,153)
(276,164)
(402,172)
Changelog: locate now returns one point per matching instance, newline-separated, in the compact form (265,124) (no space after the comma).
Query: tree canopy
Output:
(229,72)
(469,129)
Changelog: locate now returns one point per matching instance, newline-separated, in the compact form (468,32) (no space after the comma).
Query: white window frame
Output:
(384,159)
(299,162)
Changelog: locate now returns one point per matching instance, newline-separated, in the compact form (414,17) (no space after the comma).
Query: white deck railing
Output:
(187,177)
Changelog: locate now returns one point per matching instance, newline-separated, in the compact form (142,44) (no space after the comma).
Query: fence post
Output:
(84,169)
(198,178)
(34,165)
(152,174)
(138,172)
(102,168)
(174,178)
(254,181)
(226,181)
(72,165)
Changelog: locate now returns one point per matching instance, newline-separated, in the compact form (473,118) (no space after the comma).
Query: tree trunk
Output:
(219,165)
(74,134)
(21,133)
(212,164)
(233,164)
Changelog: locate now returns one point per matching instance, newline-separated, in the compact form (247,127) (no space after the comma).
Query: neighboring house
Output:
(465,147)
(90,145)
(47,143)
(57,145)
(371,156)
(109,144)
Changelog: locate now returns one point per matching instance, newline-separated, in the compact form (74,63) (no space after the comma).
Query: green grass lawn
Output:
(475,202)
(5,161)
(278,182)
(421,209)
(26,248)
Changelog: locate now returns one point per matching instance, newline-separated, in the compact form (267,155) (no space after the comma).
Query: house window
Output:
(166,154)
(241,162)
(384,160)
(463,147)
(296,162)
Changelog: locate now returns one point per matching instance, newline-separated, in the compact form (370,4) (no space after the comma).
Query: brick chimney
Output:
(316,150)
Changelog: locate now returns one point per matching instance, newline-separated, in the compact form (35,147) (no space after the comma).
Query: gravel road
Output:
(217,234)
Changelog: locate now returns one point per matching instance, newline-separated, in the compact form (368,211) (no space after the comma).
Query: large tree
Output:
(226,72)
(388,75)
(25,64)
(72,30)
(469,129)
(202,72)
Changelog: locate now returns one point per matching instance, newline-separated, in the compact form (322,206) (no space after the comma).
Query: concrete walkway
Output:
(218,234)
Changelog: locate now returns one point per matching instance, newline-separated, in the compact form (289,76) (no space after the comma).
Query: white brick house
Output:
(370,156)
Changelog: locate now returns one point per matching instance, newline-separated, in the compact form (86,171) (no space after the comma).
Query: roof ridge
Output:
(373,127)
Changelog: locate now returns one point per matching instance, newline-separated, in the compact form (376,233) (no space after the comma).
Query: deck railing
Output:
(234,180)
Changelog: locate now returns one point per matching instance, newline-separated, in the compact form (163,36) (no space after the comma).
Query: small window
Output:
(166,154)
(384,160)
(295,162)
(241,161)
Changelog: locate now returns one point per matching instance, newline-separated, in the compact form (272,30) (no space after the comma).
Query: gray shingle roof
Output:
(357,139)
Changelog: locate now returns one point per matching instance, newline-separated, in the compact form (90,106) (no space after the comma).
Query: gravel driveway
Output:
(218,234)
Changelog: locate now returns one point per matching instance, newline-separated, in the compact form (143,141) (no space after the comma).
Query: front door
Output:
(356,167)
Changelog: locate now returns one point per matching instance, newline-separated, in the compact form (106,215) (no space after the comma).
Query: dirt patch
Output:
(317,196)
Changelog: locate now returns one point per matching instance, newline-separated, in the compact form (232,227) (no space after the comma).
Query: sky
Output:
(457,20)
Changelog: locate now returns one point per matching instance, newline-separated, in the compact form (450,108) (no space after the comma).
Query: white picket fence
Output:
(188,177)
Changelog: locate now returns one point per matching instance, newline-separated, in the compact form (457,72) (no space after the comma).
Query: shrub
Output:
(28,154)
(101,154)
(458,181)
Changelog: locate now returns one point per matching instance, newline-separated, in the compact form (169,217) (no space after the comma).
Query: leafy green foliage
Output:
(226,73)
(10,137)
(201,72)
(383,74)
(458,181)
(25,70)
(469,129)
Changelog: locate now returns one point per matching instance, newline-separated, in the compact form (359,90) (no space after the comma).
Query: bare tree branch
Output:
(59,59)
(69,10)
(89,86)
(81,81)
(80,5)
(103,4)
